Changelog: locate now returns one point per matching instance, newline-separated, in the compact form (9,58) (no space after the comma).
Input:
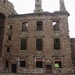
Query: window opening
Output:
(38,44)
(39,64)
(22,63)
(57,63)
(56,43)
(55,25)
(9,38)
(23,44)
(4,1)
(39,26)
(10,27)
(8,49)
(24,26)
(73,61)
(7,64)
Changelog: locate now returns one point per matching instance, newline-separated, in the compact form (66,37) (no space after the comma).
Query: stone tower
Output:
(38,6)
(62,6)
(6,8)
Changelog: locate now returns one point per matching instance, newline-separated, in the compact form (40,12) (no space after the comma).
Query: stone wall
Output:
(48,54)
(7,7)
(1,65)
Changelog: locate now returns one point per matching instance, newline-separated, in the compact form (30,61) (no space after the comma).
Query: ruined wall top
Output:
(62,6)
(7,7)
(38,6)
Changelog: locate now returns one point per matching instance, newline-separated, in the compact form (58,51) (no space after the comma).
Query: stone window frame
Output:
(8,49)
(55,25)
(39,25)
(9,37)
(59,59)
(6,63)
(41,49)
(25,65)
(55,19)
(25,26)
(25,47)
(58,44)
(11,27)
(39,59)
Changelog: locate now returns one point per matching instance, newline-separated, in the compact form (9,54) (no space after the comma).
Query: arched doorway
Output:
(2,20)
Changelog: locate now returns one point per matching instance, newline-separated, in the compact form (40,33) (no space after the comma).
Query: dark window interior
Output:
(39,26)
(22,63)
(73,61)
(4,1)
(13,68)
(2,26)
(10,27)
(38,44)
(8,49)
(9,38)
(39,64)
(7,64)
(72,47)
(23,44)
(56,43)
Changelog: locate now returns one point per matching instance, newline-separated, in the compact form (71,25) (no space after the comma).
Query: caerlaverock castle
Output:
(37,42)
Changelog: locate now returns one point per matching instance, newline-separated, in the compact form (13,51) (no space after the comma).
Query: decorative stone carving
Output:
(8,44)
(39,54)
(22,54)
(9,32)
(48,61)
(24,35)
(39,34)
(57,54)
(56,34)
(55,18)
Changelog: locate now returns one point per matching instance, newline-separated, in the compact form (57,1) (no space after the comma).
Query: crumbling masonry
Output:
(37,42)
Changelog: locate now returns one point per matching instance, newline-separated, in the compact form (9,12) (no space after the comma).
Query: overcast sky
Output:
(27,6)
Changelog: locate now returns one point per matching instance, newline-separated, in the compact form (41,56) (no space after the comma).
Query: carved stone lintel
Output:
(39,34)
(56,34)
(57,54)
(24,35)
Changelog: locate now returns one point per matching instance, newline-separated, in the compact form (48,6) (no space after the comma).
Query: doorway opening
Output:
(13,68)
(48,69)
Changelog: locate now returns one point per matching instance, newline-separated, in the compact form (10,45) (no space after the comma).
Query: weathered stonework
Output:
(7,8)
(12,55)
(72,40)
